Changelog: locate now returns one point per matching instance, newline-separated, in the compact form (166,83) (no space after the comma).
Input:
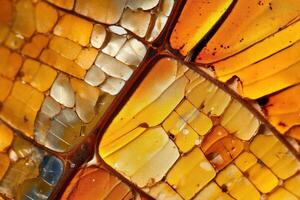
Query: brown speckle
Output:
(150,182)
(25,119)
(212,155)
(224,188)
(171,136)
(282,124)
(144,125)
(263,101)
(270,6)
(259,162)
(181,47)
(21,74)
(260,3)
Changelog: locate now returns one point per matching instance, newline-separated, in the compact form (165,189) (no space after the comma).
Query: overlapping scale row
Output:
(256,41)
(25,170)
(96,182)
(180,136)
(59,72)
(145,19)
(195,21)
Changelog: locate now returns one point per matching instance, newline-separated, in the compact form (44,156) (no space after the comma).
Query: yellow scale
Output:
(155,141)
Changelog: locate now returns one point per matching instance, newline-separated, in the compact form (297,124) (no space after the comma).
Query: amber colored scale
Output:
(155,99)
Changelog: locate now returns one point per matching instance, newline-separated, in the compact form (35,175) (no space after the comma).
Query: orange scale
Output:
(217,133)
(224,151)
(294,132)
(95,183)
(6,11)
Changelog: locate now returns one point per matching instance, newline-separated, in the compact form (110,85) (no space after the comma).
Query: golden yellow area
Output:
(190,173)
(236,184)
(24,22)
(74,28)
(46,17)
(188,130)
(156,155)
(281,193)
(195,21)
(292,185)
(148,144)
(165,190)
(209,96)
(259,175)
(245,161)
(180,134)
(211,192)
(66,4)
(234,115)
(197,120)
(38,75)
(185,136)
(61,63)
(86,57)
(263,178)
(21,107)
(186,139)
(275,155)
(150,90)
(65,47)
